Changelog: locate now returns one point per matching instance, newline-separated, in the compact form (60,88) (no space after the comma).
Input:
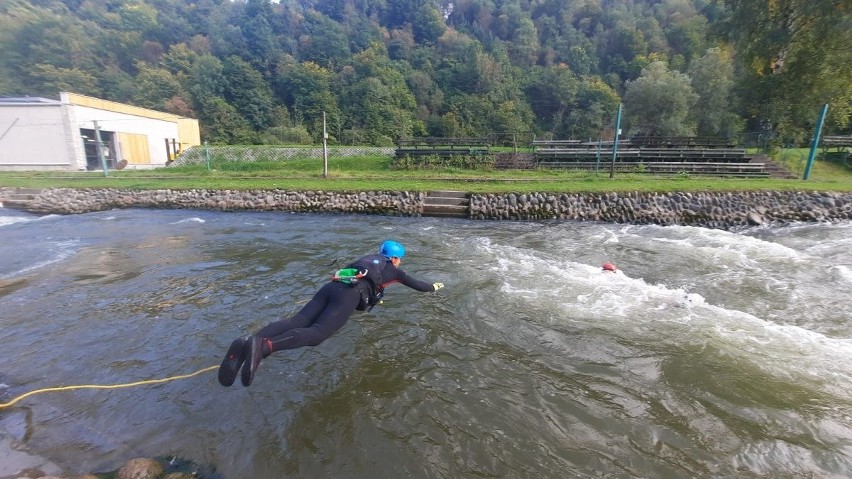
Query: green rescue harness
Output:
(349,275)
(366,270)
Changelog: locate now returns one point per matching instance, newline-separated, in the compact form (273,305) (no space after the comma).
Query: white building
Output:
(45,134)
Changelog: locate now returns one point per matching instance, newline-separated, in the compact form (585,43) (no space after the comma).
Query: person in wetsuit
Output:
(325,313)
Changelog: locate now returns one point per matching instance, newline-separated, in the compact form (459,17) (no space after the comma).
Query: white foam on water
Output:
(585,296)
(844,271)
(189,220)
(10,220)
(745,249)
(59,252)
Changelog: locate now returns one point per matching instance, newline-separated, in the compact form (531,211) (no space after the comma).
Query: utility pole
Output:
(100,147)
(324,148)
(815,143)
(615,141)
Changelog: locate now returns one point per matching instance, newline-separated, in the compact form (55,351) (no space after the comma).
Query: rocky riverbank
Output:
(720,210)
(72,201)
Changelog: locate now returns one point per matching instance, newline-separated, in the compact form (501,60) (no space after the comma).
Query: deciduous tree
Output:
(659,103)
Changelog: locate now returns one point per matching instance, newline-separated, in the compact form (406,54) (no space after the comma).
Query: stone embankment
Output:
(71,201)
(721,210)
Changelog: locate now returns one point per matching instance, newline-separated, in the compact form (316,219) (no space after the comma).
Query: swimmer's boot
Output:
(255,354)
(234,358)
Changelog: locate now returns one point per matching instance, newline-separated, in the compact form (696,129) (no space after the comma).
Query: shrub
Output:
(463,162)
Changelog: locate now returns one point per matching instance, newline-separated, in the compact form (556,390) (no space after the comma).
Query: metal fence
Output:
(251,153)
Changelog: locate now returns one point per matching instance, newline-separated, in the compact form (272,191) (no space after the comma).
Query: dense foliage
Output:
(374,71)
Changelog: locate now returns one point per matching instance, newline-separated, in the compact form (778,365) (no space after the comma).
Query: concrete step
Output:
(441,201)
(445,210)
(446,214)
(446,194)
(446,203)
(19,196)
(15,204)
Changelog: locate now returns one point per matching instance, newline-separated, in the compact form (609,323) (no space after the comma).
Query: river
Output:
(710,354)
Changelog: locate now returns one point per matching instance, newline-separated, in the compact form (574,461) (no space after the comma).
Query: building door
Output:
(90,145)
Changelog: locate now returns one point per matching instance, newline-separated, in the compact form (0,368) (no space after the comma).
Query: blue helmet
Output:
(392,249)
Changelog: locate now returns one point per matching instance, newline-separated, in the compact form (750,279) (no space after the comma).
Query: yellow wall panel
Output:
(189,133)
(134,148)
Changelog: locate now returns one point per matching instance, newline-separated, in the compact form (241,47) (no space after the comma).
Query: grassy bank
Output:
(374,173)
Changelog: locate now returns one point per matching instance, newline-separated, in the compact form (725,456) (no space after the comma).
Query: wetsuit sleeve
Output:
(394,275)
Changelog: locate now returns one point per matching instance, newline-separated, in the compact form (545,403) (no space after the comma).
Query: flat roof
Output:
(28,100)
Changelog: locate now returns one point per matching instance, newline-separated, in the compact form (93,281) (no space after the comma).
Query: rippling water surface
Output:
(714,354)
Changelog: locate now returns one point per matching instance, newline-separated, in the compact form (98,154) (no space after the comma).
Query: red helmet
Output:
(609,267)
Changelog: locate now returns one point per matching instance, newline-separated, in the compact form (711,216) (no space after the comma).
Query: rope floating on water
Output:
(106,386)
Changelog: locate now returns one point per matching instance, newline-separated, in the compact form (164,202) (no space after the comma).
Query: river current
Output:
(710,354)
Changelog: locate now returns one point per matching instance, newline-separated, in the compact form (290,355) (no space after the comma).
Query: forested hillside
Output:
(260,72)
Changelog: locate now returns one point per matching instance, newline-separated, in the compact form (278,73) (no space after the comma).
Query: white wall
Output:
(157,131)
(36,141)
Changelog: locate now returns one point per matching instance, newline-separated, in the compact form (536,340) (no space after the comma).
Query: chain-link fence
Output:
(252,153)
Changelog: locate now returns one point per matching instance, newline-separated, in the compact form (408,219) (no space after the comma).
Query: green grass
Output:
(374,174)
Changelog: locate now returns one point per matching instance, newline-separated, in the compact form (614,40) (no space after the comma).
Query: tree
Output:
(688,37)
(154,87)
(524,47)
(376,98)
(712,78)
(179,59)
(323,41)
(624,44)
(245,89)
(427,24)
(307,91)
(510,117)
(222,124)
(793,56)
(260,42)
(593,111)
(55,41)
(49,80)
(204,82)
(659,102)
(550,92)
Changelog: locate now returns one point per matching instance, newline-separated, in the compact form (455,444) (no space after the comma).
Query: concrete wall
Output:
(34,137)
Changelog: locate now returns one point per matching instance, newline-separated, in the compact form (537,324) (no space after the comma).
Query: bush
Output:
(463,162)
(285,135)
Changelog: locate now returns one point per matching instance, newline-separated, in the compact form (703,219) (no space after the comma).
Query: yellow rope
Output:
(106,386)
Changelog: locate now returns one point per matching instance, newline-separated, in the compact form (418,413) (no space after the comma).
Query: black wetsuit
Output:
(332,306)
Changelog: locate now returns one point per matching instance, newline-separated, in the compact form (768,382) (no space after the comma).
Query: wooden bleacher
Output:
(836,149)
(680,142)
(636,155)
(753,170)
(655,155)
(443,147)
(836,141)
